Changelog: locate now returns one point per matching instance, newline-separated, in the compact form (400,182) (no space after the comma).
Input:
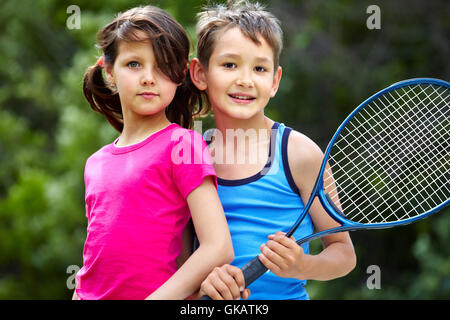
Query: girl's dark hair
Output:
(171,49)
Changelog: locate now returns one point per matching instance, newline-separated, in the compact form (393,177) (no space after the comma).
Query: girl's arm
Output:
(215,247)
(188,242)
(281,254)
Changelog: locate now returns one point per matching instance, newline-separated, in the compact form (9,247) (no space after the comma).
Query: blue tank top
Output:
(263,204)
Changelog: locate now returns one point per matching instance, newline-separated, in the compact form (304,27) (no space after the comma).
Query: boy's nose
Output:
(245,82)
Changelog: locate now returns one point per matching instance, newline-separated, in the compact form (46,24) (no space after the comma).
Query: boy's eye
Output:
(133,64)
(260,69)
(229,65)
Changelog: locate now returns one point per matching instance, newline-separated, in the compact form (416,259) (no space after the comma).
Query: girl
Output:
(238,68)
(142,189)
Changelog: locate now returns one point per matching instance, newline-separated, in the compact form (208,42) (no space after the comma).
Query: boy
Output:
(238,70)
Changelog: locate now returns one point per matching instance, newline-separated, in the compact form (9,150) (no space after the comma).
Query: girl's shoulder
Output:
(186,136)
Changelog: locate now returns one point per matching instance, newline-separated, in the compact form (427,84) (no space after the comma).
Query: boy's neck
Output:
(258,122)
(259,126)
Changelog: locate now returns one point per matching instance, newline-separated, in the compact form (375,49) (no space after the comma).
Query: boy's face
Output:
(240,78)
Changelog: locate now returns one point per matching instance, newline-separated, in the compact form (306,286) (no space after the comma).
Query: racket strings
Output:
(392,160)
(416,176)
(357,152)
(399,200)
(389,190)
(413,176)
(351,162)
(408,147)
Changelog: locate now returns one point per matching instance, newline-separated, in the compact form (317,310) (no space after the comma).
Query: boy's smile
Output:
(240,78)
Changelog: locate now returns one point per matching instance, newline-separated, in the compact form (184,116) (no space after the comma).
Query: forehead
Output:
(126,48)
(136,40)
(233,41)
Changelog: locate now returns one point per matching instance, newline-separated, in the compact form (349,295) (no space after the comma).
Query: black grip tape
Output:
(253,270)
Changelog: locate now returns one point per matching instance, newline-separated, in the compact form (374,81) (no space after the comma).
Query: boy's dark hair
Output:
(251,18)
(171,48)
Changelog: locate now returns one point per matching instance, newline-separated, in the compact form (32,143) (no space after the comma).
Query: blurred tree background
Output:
(331,63)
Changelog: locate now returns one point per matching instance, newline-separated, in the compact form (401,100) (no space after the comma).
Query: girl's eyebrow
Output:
(130,57)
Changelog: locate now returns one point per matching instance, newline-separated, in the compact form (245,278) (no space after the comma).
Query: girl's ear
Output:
(198,74)
(109,74)
(276,82)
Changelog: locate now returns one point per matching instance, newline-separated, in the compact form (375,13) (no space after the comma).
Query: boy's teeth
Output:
(242,97)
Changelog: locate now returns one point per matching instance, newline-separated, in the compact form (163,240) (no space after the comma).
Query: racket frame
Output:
(318,190)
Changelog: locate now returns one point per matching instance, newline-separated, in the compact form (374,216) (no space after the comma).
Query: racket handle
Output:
(253,270)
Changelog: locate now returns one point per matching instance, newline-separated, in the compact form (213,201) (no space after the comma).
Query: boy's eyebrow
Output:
(236,56)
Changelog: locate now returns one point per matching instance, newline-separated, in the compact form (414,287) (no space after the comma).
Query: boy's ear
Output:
(276,81)
(198,74)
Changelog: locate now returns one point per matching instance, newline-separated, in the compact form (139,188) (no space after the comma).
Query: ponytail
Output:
(101,98)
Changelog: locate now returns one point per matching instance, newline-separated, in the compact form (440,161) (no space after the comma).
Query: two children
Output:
(138,199)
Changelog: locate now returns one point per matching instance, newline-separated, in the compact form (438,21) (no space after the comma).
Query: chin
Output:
(242,112)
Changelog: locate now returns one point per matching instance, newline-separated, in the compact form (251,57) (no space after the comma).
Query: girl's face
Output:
(143,89)
(240,79)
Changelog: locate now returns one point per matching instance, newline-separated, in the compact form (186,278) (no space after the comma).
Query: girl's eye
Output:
(260,69)
(133,64)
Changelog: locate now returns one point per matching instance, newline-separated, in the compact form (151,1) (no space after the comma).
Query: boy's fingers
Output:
(269,264)
(281,238)
(276,258)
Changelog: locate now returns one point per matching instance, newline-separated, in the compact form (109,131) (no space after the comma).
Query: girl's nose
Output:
(148,78)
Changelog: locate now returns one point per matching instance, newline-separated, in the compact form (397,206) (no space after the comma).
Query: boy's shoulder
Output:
(303,153)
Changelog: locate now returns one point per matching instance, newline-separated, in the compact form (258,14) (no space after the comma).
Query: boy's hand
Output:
(225,283)
(283,256)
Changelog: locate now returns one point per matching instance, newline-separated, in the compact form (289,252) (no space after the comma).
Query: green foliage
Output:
(331,63)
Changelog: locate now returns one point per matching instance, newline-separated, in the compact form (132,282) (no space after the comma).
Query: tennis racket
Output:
(387,165)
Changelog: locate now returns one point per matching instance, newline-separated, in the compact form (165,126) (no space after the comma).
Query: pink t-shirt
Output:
(137,211)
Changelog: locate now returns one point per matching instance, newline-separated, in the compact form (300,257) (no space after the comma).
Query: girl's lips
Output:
(148,95)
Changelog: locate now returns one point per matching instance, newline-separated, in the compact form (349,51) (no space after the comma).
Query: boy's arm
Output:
(281,254)
(215,244)
(338,256)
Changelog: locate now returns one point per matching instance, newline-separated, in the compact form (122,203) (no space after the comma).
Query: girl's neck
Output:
(140,129)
